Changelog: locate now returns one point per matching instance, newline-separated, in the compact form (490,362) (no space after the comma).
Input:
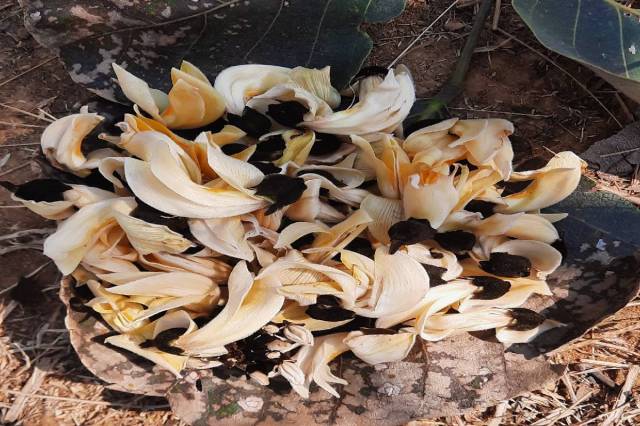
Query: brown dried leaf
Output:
(122,371)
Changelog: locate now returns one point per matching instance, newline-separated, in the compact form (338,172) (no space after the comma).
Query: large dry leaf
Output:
(599,276)
(618,154)
(152,36)
(121,370)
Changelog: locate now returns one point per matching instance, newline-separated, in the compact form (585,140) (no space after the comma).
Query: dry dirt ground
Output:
(43,382)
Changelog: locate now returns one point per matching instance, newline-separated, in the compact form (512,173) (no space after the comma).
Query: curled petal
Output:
(487,143)
(191,103)
(384,212)
(296,314)
(168,284)
(314,361)
(225,236)
(318,82)
(436,300)
(176,194)
(432,200)
(510,336)
(298,146)
(382,106)
(61,142)
(74,237)
(251,304)
(131,343)
(298,230)
(238,84)
(151,238)
(400,282)
(519,292)
(550,184)
(378,348)
(544,258)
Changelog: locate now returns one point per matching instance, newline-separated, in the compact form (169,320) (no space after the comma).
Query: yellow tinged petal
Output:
(385,212)
(171,362)
(150,237)
(378,348)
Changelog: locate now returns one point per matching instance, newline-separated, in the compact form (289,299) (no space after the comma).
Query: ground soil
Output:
(550,111)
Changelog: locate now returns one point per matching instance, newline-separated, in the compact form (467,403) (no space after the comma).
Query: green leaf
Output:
(602,34)
(151,37)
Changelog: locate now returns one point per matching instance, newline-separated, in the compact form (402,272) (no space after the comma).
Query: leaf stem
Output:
(453,86)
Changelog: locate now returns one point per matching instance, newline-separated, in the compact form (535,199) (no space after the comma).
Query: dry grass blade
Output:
(32,385)
(625,393)
(30,114)
(15,77)
(422,33)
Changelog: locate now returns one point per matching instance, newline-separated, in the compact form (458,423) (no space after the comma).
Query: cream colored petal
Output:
(318,82)
(74,237)
(239,174)
(225,236)
(382,107)
(150,237)
(61,141)
(296,314)
(151,101)
(297,230)
(173,363)
(238,84)
(169,284)
(482,138)
(444,259)
(509,336)
(176,319)
(180,114)
(338,236)
(550,185)
(378,348)
(385,212)
(436,300)
(291,371)
(400,282)
(533,227)
(152,191)
(251,304)
(82,195)
(431,201)
(544,258)
(439,326)
(349,196)
(314,361)
(521,289)
(207,266)
(54,210)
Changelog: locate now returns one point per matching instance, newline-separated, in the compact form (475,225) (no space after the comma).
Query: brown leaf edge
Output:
(120,370)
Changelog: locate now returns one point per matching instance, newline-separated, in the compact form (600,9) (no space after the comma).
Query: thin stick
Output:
(30,114)
(502,112)
(626,151)
(21,166)
(9,123)
(625,392)
(422,33)
(85,401)
(567,73)
(496,15)
(15,145)
(15,77)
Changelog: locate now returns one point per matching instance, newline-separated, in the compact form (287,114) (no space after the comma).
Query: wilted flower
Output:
(238,246)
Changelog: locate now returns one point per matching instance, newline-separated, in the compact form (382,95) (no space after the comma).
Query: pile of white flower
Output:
(296,223)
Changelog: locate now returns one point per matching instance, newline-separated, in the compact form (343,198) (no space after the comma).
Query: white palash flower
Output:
(271,230)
